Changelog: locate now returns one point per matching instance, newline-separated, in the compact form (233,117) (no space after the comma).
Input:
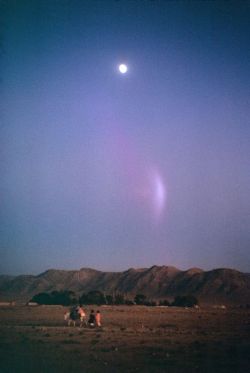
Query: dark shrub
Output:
(185,301)
(140,299)
(129,302)
(164,302)
(93,297)
(42,298)
(119,299)
(109,299)
(150,303)
(64,298)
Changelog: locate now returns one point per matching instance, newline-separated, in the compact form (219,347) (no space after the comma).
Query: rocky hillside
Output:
(158,282)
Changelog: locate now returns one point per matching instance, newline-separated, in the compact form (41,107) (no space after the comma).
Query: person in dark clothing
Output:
(74,313)
(91,320)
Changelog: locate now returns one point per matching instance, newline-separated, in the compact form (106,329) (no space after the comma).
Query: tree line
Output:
(68,298)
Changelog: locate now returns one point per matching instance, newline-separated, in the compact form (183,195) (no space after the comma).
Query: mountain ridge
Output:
(225,285)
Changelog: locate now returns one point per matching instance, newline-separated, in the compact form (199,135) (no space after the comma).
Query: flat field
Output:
(131,339)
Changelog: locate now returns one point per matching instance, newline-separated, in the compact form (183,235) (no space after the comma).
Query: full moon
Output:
(123,68)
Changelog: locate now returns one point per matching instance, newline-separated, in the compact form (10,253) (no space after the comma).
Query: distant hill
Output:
(158,282)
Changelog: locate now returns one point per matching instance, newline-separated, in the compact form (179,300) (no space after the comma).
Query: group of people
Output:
(78,313)
(94,318)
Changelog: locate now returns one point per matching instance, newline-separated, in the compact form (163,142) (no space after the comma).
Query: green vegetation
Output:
(93,297)
(185,301)
(64,298)
(68,298)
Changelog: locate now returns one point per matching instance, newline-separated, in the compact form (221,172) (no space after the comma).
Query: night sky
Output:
(110,171)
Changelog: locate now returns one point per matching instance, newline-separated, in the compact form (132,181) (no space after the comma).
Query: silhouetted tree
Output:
(185,301)
(140,299)
(63,297)
(109,299)
(42,298)
(119,299)
(93,297)
(129,302)
(164,302)
(150,303)
(83,299)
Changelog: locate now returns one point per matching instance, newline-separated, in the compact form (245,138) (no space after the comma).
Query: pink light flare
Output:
(151,192)
(158,193)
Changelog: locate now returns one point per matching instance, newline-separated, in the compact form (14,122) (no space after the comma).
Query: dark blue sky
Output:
(112,171)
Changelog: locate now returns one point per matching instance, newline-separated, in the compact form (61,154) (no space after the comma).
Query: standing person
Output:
(74,316)
(82,315)
(98,318)
(91,320)
(73,311)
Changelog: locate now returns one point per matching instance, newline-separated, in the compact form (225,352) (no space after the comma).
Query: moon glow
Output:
(123,68)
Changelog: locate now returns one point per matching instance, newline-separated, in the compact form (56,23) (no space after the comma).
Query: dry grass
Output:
(132,339)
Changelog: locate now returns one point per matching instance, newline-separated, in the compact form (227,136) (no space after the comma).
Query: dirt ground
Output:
(131,339)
